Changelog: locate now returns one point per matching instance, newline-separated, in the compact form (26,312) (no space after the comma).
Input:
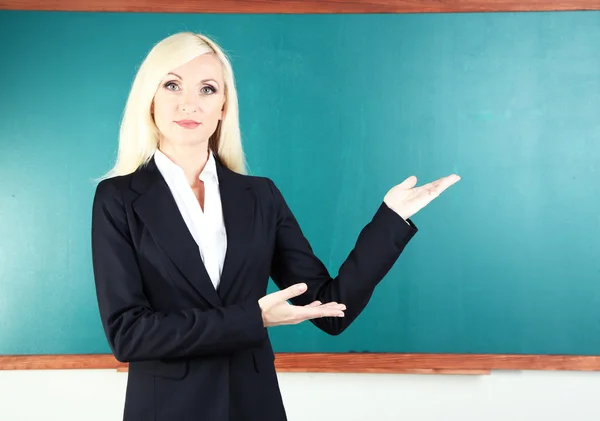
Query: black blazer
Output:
(197,353)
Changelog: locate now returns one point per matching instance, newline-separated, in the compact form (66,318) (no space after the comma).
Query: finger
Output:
(307,313)
(313,304)
(444,183)
(435,188)
(286,294)
(335,305)
(447,181)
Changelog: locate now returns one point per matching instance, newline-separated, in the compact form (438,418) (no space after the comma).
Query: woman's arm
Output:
(377,248)
(135,331)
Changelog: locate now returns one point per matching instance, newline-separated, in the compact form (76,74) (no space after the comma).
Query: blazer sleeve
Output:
(377,248)
(135,331)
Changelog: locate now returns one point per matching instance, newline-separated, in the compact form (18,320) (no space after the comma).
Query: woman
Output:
(184,242)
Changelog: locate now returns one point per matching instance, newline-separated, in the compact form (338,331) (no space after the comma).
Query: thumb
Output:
(288,293)
(409,183)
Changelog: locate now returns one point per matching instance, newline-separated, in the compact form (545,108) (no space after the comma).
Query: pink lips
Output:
(188,124)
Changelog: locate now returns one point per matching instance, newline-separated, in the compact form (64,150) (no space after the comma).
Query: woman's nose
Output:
(189,103)
(189,107)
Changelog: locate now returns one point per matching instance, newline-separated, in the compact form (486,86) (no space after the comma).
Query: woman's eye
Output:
(171,86)
(207,90)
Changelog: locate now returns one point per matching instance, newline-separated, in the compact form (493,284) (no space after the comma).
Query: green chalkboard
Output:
(336,109)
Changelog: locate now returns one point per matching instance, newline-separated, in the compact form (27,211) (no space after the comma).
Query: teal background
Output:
(336,109)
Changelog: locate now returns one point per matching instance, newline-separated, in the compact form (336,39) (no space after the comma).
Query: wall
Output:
(97,395)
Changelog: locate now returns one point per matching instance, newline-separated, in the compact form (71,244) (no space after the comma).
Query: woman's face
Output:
(189,102)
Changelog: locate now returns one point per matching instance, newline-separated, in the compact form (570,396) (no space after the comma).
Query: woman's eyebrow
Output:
(202,81)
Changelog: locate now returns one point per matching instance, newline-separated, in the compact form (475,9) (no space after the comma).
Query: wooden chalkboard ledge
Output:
(343,363)
(304,6)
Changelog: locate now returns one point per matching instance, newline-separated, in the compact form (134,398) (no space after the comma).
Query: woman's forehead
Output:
(205,66)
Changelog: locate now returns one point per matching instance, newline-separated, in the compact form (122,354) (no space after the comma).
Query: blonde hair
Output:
(139,136)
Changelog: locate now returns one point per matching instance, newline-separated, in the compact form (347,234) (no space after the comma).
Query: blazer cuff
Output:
(386,218)
(256,326)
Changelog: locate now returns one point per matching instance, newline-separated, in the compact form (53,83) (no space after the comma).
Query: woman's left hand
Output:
(406,199)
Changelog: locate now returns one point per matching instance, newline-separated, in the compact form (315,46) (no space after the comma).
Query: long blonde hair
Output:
(139,136)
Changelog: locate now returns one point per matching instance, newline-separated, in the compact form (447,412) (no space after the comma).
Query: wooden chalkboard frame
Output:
(302,6)
(323,362)
(473,364)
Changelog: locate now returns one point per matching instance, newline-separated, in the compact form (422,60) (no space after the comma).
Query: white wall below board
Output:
(98,395)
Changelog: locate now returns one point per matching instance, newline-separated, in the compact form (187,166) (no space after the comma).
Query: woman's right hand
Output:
(277,311)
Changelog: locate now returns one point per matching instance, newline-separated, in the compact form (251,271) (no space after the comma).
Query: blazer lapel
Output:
(158,209)
(238,205)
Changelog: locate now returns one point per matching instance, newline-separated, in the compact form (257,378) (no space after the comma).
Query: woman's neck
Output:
(191,159)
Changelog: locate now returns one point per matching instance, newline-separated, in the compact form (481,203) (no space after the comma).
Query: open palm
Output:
(406,199)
